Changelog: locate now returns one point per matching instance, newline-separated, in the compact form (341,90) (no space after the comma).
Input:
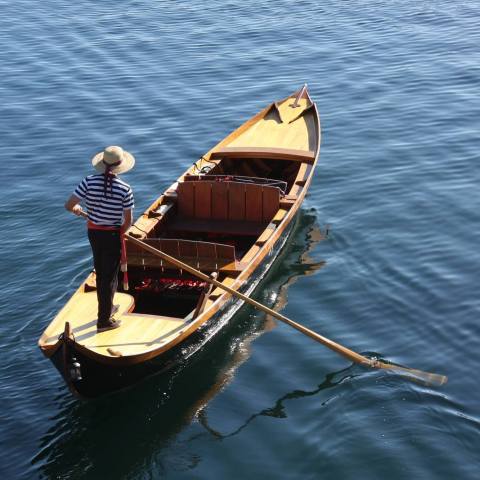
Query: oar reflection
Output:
(278,409)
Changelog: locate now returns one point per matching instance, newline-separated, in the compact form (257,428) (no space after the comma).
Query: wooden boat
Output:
(228,215)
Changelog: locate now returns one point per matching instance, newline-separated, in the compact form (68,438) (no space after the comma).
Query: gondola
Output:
(228,216)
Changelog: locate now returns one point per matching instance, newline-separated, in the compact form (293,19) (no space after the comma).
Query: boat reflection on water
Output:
(115,435)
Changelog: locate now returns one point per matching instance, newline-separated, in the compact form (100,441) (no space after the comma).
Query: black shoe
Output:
(111,324)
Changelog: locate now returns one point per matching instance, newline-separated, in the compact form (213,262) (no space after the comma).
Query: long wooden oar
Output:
(425,377)
(123,262)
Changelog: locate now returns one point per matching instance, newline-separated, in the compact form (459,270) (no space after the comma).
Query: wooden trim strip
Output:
(265,152)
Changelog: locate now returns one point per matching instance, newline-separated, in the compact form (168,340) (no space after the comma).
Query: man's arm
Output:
(73,205)
(127,220)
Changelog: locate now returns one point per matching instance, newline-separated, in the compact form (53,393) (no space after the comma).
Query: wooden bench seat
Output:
(242,228)
(306,156)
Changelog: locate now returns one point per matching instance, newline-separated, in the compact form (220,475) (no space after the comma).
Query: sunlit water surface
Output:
(397,88)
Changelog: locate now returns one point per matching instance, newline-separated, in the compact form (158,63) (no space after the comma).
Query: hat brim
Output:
(128,161)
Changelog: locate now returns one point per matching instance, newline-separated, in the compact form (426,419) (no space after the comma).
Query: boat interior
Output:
(215,220)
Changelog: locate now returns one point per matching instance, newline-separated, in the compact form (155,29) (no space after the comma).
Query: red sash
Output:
(93,226)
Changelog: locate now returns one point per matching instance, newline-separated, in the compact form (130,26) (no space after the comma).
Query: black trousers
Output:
(106,260)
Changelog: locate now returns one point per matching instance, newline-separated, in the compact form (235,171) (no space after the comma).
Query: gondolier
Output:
(109,204)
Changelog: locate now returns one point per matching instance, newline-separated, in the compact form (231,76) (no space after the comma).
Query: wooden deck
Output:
(271,132)
(139,333)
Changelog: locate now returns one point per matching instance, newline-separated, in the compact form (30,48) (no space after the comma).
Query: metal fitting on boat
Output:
(74,370)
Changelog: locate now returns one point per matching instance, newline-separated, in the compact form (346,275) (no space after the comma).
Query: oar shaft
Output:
(123,262)
(346,352)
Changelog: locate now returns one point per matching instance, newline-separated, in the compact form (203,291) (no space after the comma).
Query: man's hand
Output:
(78,210)
(73,202)
(73,205)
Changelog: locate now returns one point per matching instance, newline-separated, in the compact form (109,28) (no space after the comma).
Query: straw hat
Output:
(120,160)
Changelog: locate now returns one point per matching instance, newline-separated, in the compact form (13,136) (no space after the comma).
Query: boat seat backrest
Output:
(205,255)
(187,248)
(235,201)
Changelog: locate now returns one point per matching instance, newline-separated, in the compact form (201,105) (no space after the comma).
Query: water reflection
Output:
(114,436)
(300,267)
(278,409)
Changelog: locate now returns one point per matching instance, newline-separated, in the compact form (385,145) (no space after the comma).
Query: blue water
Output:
(397,88)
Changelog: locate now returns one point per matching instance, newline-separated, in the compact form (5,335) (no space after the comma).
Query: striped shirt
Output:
(105,210)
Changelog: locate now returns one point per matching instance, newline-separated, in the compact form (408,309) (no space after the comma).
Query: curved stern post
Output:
(71,369)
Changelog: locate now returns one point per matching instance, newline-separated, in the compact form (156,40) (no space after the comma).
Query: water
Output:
(397,87)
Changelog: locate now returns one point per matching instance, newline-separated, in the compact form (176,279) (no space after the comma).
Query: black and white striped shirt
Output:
(105,210)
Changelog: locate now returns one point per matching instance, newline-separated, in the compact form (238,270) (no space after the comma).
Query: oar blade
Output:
(426,378)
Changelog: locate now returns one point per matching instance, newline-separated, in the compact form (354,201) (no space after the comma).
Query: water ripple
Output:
(396,84)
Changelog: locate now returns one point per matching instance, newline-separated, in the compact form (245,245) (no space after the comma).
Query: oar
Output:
(123,263)
(425,377)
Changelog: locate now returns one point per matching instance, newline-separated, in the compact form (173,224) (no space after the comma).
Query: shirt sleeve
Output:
(128,200)
(81,190)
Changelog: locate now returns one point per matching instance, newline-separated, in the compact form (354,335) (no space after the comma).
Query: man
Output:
(109,203)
